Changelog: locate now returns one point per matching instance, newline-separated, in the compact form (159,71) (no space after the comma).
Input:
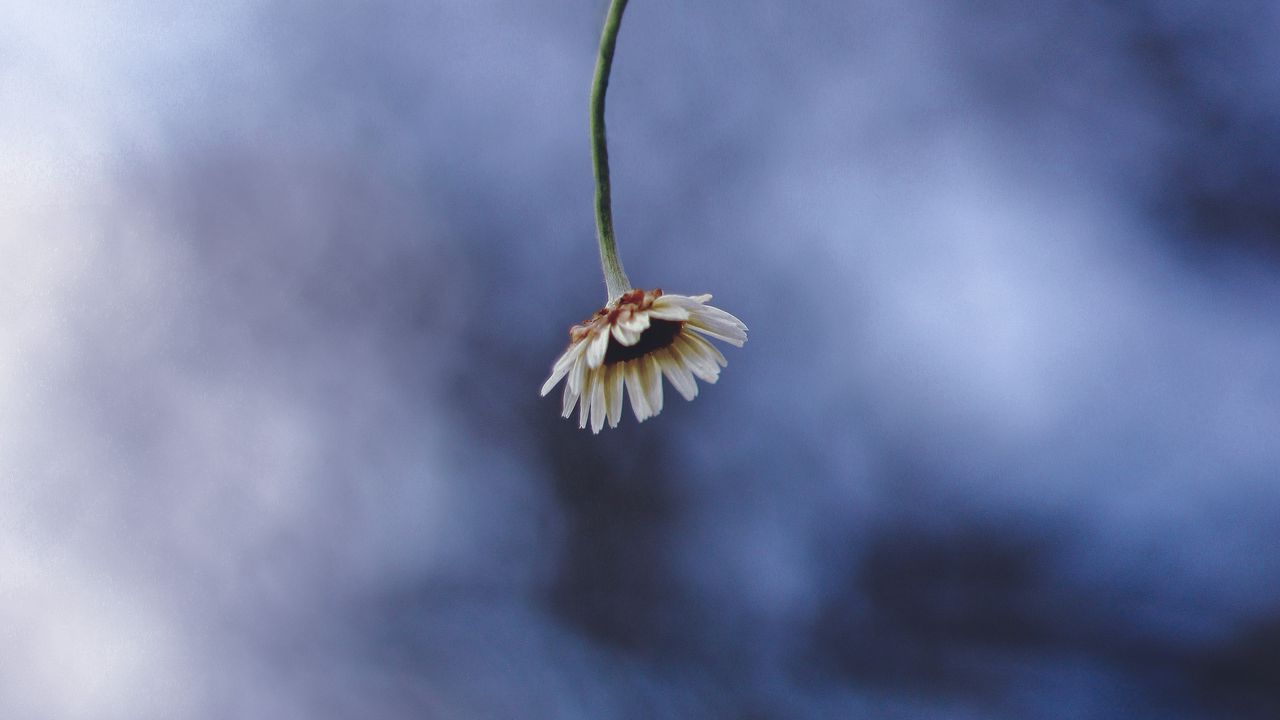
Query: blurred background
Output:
(279,282)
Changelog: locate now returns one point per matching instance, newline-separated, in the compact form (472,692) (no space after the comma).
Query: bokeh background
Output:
(279,282)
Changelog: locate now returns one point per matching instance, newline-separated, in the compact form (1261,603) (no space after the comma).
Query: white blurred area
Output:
(85,632)
(184,500)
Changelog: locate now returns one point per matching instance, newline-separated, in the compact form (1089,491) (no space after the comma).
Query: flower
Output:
(634,341)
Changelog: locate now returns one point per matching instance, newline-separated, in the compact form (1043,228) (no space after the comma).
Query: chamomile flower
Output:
(638,336)
(633,342)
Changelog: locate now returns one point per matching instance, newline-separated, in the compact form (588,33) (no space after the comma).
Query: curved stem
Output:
(615,279)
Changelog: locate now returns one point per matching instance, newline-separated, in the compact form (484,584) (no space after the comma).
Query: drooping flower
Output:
(635,341)
(638,336)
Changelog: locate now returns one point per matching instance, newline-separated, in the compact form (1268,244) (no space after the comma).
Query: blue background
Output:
(279,282)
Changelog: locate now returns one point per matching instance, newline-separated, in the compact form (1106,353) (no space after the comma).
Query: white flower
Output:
(634,342)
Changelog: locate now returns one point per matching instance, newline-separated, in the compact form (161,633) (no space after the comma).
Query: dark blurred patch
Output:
(931,599)
(958,612)
(615,491)
(1244,675)
(1220,186)
(1211,174)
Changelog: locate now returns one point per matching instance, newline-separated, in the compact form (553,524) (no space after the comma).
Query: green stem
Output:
(615,279)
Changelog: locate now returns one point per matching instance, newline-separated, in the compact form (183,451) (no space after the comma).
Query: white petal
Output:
(625,336)
(718,324)
(563,364)
(635,388)
(666,309)
(733,339)
(710,312)
(613,393)
(708,349)
(578,375)
(702,366)
(652,382)
(569,399)
(598,343)
(584,406)
(678,375)
(684,302)
(604,396)
(629,327)
(710,318)
(672,314)
(689,300)
(597,400)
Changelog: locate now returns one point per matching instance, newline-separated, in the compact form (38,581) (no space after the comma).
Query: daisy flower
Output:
(639,335)
(633,342)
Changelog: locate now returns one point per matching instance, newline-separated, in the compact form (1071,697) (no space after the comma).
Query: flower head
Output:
(634,341)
